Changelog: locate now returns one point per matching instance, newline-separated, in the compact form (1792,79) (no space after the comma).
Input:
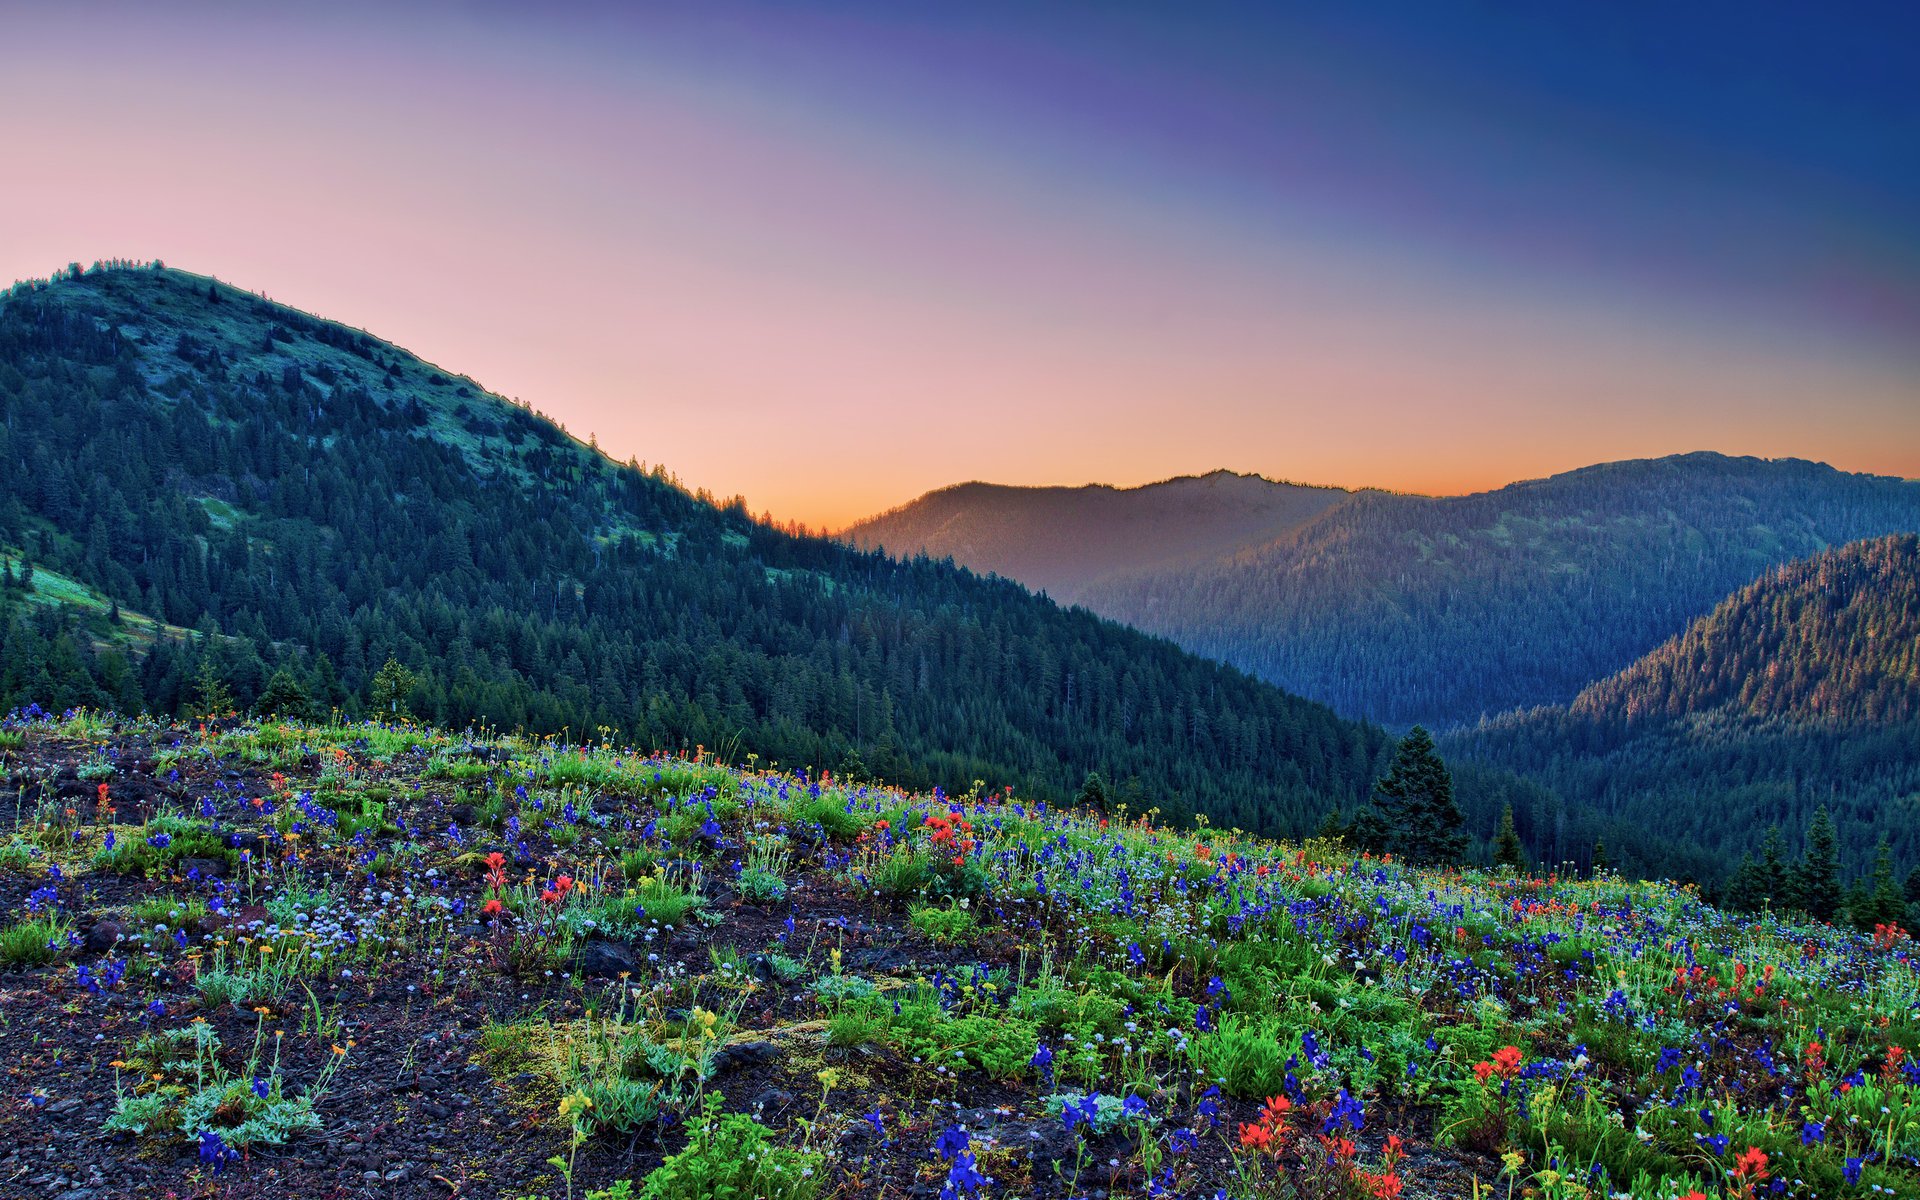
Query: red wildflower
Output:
(1506,1060)
(1752,1164)
(1275,1110)
(1256,1137)
(1482,1070)
(490,909)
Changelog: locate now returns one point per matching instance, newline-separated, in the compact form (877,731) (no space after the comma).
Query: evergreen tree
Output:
(1745,891)
(1415,802)
(1093,793)
(1369,830)
(1889,904)
(211,697)
(1600,860)
(388,693)
(1858,907)
(1333,826)
(1818,878)
(1913,886)
(1507,850)
(1774,880)
(285,696)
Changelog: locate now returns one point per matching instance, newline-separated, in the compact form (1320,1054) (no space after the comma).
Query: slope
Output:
(326,500)
(1798,690)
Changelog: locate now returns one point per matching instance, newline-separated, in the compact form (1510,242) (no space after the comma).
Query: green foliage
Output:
(33,940)
(945,925)
(730,1156)
(1245,1056)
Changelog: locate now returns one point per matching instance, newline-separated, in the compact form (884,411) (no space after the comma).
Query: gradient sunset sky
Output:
(830,256)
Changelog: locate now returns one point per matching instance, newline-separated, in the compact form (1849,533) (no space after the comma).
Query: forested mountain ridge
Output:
(1833,639)
(312,499)
(1066,540)
(1442,610)
(1799,690)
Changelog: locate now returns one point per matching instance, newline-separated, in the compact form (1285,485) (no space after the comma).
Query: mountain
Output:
(1800,689)
(308,501)
(1065,541)
(1442,610)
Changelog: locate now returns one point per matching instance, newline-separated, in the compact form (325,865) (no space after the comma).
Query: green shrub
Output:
(1247,1057)
(947,926)
(732,1157)
(830,813)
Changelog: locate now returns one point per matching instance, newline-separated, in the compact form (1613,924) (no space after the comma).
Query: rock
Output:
(204,868)
(771,1101)
(104,935)
(744,1054)
(461,815)
(606,960)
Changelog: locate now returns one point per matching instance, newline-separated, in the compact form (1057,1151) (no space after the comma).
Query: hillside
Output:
(1446,609)
(1064,541)
(310,501)
(1834,639)
(256,961)
(1800,689)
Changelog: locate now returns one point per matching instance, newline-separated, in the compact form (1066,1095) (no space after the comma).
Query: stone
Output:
(744,1054)
(603,959)
(104,935)
(771,1101)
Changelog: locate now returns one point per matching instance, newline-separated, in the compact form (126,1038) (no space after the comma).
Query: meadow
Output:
(257,959)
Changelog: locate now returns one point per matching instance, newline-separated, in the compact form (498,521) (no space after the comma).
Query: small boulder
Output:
(744,1054)
(603,959)
(104,936)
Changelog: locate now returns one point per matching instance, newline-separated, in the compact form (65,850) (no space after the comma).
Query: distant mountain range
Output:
(1402,608)
(1068,541)
(1800,689)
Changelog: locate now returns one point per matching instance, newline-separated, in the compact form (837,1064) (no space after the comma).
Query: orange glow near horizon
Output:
(831,316)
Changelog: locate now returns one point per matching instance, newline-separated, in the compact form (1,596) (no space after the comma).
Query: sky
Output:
(830,256)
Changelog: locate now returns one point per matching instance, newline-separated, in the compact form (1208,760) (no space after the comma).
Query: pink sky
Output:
(830,314)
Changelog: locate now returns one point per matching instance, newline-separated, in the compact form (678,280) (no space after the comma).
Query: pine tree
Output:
(1776,884)
(1507,850)
(285,696)
(1600,861)
(1333,826)
(1369,830)
(212,699)
(1818,877)
(1093,793)
(1889,904)
(1745,891)
(388,692)
(1415,801)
